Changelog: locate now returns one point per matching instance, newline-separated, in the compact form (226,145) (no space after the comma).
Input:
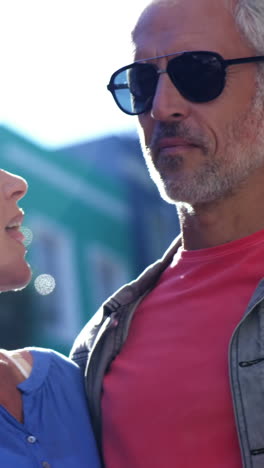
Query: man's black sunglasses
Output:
(199,77)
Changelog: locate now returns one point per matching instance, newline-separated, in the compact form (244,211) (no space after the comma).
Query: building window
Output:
(107,272)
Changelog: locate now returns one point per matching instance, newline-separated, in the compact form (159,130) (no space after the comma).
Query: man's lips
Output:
(174,143)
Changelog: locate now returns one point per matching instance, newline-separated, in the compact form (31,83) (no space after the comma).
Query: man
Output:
(175,375)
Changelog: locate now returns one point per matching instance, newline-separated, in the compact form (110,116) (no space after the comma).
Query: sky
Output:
(57,57)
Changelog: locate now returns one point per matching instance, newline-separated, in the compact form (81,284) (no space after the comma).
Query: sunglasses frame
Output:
(224,64)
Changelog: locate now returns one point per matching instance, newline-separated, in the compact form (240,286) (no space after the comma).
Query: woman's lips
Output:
(16,234)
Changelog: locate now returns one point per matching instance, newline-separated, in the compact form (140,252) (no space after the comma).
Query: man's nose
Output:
(168,104)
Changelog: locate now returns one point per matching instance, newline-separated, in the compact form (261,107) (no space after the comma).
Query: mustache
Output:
(178,130)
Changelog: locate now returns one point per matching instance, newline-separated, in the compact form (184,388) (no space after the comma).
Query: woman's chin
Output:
(18,281)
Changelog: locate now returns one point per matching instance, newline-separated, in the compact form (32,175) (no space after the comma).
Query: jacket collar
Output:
(146,281)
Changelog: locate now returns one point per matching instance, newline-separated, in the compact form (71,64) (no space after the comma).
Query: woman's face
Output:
(14,270)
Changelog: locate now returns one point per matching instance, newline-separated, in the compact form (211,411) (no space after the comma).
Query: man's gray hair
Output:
(249,16)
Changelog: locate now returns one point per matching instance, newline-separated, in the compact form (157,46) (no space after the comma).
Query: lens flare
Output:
(45,284)
(28,235)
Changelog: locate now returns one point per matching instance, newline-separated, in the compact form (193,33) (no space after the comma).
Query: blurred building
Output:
(96,221)
(153,223)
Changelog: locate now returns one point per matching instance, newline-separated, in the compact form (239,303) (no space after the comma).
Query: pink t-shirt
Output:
(166,399)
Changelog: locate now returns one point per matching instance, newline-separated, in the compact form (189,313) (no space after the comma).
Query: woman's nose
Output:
(13,186)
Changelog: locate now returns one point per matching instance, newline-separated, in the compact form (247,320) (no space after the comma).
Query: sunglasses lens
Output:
(134,88)
(199,76)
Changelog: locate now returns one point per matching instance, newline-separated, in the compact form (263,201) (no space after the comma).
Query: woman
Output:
(44,419)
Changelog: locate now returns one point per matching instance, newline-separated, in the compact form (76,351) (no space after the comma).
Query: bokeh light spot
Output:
(45,284)
(27,234)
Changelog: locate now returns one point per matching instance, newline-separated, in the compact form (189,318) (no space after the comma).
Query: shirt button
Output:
(46,465)
(31,439)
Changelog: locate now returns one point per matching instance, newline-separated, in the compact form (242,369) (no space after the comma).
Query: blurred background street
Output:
(94,219)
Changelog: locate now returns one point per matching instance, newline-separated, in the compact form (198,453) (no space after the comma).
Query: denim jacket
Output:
(102,338)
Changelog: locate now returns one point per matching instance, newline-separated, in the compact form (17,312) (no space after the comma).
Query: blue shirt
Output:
(56,432)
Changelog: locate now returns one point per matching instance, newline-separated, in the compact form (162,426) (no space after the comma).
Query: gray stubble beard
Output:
(218,177)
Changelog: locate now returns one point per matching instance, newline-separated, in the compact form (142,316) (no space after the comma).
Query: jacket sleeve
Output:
(84,341)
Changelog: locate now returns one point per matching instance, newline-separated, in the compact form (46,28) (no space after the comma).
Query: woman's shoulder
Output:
(20,360)
(37,366)
(56,373)
(55,357)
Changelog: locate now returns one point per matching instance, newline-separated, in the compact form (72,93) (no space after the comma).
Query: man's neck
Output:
(217,223)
